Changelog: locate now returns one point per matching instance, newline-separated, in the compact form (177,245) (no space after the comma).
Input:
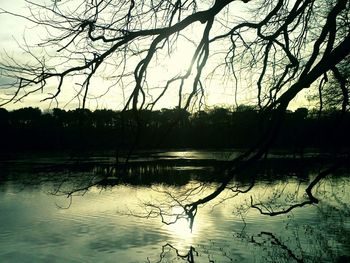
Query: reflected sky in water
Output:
(35,228)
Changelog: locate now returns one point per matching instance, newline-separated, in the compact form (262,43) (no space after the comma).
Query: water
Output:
(38,223)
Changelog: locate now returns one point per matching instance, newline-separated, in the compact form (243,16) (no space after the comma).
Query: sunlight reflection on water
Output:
(96,228)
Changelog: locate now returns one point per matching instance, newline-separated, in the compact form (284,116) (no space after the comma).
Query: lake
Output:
(106,221)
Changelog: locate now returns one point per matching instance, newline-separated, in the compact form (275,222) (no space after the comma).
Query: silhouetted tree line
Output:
(81,129)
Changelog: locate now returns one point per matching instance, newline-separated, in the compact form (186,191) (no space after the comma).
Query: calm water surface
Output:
(37,224)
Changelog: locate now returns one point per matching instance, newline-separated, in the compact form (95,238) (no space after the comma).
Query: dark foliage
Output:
(82,130)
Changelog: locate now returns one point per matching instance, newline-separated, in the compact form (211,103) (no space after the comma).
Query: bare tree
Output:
(333,90)
(275,51)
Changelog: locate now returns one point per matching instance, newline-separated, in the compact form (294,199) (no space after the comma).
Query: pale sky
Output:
(219,91)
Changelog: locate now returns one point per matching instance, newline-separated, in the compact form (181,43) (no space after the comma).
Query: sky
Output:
(219,90)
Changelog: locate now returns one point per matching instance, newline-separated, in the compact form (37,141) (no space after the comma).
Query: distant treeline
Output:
(29,129)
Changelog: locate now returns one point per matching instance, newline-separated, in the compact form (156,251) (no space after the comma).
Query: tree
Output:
(280,47)
(333,90)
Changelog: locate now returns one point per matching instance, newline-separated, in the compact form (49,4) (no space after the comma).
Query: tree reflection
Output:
(167,249)
(178,189)
(299,242)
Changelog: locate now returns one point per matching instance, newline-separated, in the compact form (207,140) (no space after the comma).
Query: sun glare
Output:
(181,228)
(167,66)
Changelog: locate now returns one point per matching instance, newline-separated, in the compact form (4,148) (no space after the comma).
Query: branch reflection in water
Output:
(303,243)
(107,215)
